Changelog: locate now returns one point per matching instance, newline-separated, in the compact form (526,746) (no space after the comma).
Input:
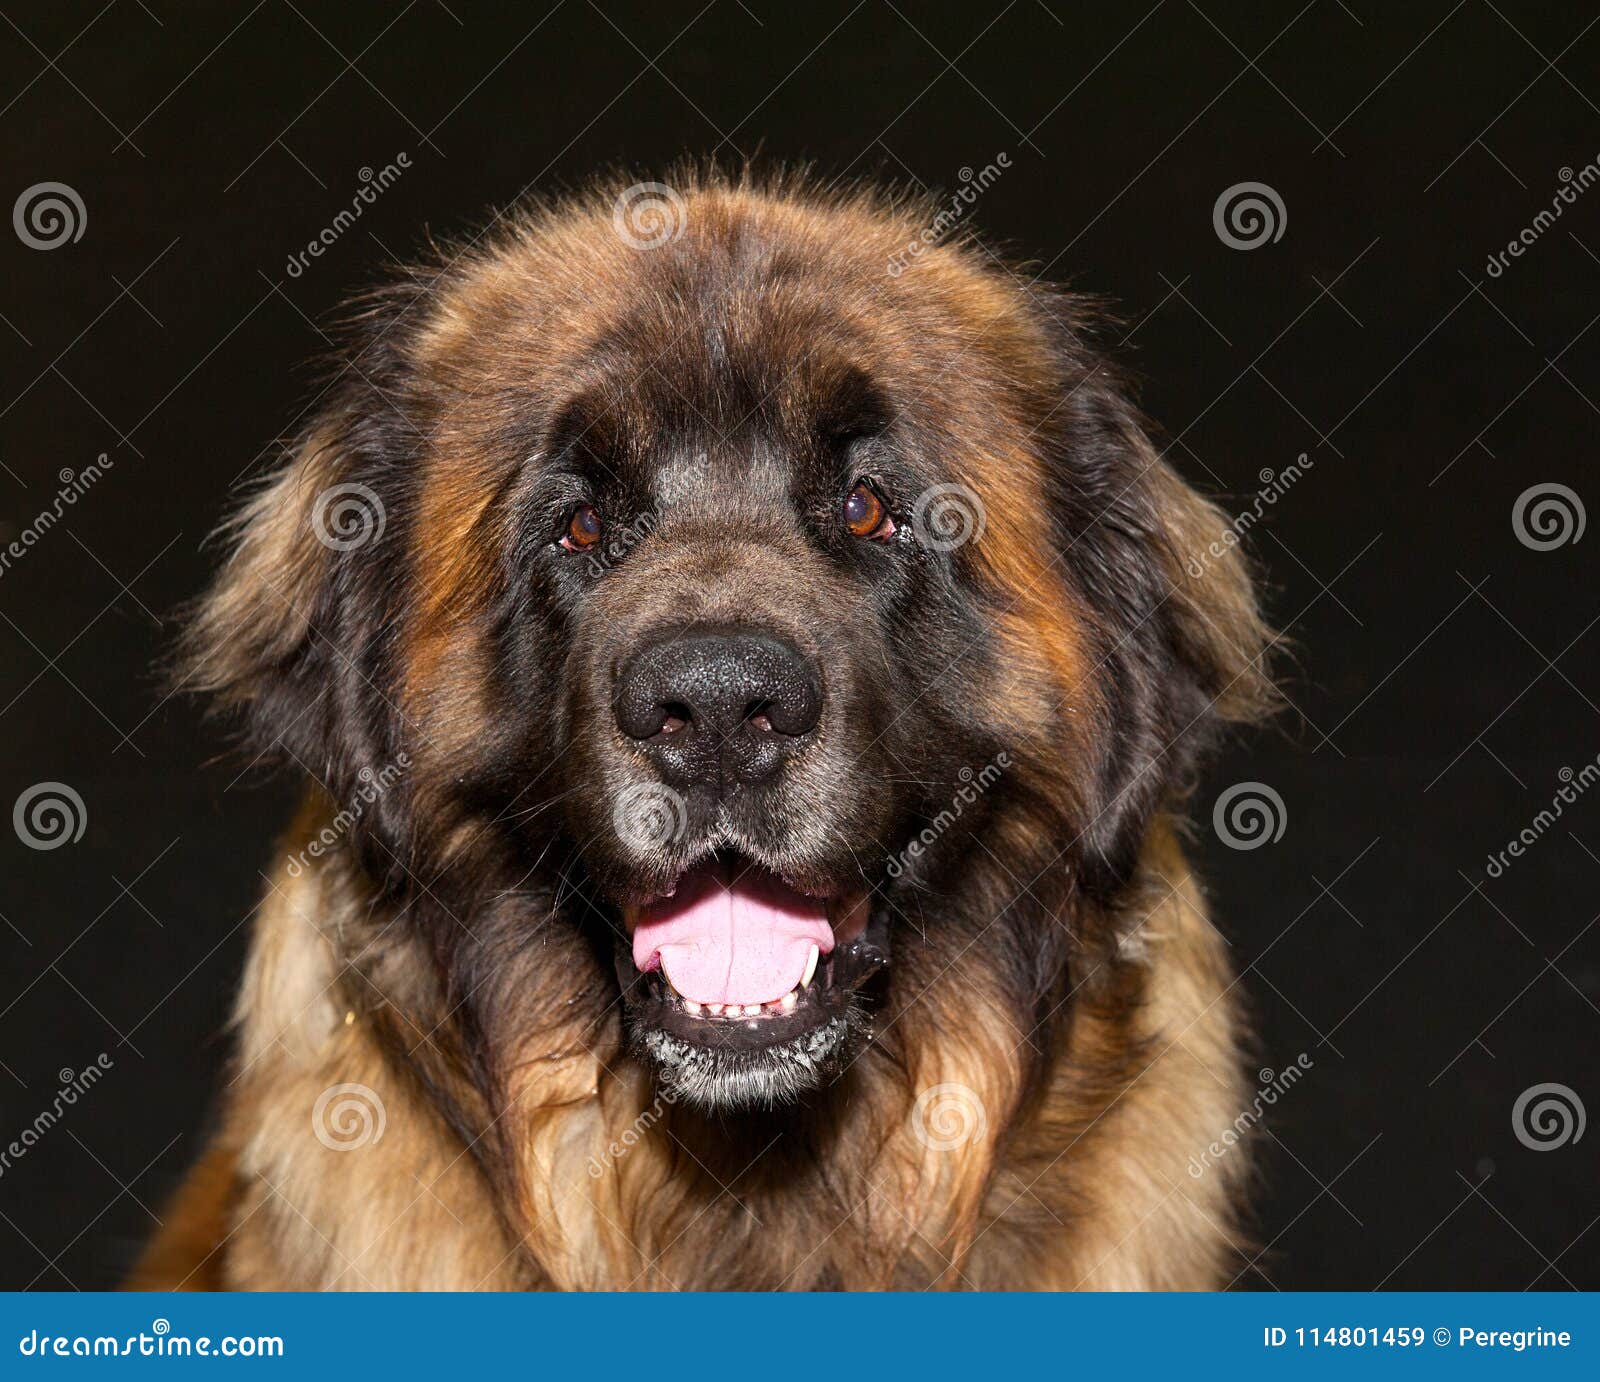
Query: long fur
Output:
(1059,1033)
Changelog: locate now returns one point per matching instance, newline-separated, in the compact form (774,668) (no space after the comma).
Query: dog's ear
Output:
(290,638)
(1184,647)
(296,637)
(1218,637)
(250,637)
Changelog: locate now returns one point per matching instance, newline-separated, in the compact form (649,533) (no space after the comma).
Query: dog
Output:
(748,661)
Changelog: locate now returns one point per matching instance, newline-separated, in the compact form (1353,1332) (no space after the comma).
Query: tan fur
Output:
(403,1207)
(1086,1189)
(187,1255)
(959,1150)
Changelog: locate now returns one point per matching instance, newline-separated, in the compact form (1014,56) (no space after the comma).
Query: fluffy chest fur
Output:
(955,1176)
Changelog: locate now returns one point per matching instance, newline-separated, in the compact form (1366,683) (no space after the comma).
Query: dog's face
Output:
(750,607)
(732,596)
(732,677)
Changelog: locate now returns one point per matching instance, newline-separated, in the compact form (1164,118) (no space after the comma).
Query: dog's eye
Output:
(865,515)
(583,529)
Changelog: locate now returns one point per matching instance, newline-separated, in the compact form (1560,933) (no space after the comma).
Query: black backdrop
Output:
(1445,668)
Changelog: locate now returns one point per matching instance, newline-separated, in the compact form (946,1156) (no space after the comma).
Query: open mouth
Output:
(743,989)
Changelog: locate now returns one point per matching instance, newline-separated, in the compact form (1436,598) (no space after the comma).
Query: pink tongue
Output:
(744,940)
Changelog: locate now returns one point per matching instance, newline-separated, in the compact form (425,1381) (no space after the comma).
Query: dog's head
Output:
(774,601)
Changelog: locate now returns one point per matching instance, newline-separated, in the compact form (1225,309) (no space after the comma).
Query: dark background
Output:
(1445,672)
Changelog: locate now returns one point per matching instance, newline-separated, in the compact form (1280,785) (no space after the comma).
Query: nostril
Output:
(757,717)
(794,710)
(676,716)
(643,713)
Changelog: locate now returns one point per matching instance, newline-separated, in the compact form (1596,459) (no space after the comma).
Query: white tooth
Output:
(752,1009)
(788,1002)
(715,1009)
(691,1007)
(811,967)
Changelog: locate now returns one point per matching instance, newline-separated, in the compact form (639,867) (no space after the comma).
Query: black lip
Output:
(841,978)
(640,891)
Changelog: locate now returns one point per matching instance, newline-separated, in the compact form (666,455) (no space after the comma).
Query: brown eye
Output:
(865,515)
(583,529)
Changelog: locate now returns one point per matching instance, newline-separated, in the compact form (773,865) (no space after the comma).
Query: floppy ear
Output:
(1184,647)
(1218,636)
(291,637)
(248,640)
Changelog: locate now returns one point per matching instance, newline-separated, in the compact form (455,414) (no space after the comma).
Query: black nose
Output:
(718,707)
